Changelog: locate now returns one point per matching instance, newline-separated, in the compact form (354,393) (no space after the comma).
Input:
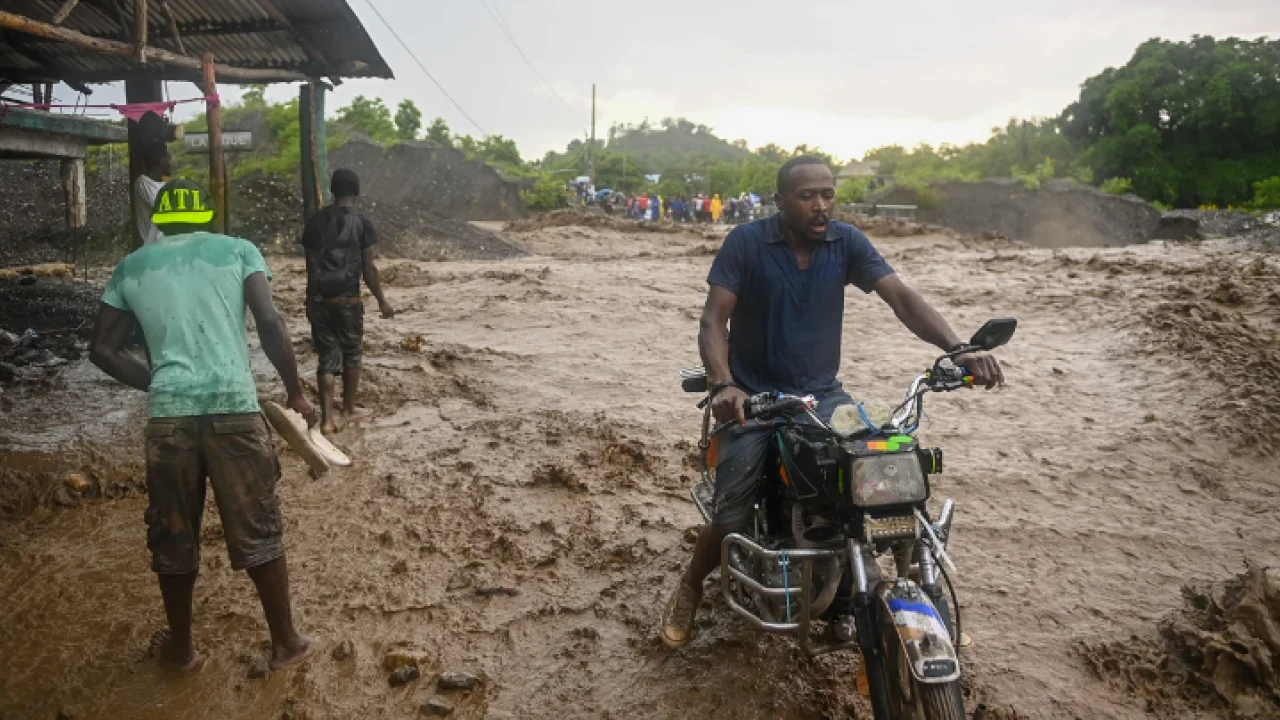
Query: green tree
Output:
(408,120)
(438,132)
(1190,123)
(546,193)
(254,96)
(371,117)
(1266,194)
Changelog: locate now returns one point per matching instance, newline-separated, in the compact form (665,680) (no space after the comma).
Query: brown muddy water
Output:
(518,509)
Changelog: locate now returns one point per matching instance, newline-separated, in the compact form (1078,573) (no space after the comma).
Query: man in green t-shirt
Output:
(188,292)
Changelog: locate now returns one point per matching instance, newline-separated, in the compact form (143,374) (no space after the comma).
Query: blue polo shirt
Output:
(785,330)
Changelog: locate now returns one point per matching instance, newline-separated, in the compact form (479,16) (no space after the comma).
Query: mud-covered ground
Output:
(518,509)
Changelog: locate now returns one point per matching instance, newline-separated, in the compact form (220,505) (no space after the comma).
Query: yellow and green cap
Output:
(182,201)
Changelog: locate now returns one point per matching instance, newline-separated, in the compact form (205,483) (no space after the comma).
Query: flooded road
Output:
(518,509)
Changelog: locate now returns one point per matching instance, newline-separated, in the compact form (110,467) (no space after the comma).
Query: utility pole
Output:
(591,147)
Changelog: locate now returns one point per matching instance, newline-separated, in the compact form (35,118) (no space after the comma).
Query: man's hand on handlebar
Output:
(984,368)
(728,405)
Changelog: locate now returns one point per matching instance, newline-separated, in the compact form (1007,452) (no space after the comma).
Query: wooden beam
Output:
(64,11)
(227,73)
(173,27)
(140,30)
(217,165)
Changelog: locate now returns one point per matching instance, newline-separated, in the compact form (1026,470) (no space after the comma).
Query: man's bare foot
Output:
(170,656)
(355,414)
(328,427)
(283,657)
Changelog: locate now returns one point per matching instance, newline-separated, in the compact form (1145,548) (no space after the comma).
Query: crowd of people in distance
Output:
(681,208)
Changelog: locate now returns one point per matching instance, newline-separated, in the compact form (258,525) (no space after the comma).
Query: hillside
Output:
(672,144)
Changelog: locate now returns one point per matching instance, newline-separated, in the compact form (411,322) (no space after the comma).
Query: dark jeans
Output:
(740,463)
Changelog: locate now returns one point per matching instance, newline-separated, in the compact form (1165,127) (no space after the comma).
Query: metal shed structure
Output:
(147,42)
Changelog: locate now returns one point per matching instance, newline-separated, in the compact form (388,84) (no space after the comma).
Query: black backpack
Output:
(339,261)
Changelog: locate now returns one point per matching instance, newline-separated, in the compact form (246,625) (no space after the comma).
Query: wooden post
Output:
(321,156)
(313,148)
(306,144)
(217,166)
(140,29)
(73,189)
(136,91)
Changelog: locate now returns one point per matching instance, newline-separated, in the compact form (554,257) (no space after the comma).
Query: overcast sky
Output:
(845,76)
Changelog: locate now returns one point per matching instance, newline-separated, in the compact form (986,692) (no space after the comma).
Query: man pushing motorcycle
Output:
(772,322)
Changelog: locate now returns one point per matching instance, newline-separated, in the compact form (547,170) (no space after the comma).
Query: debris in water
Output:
(77,483)
(436,706)
(344,650)
(397,658)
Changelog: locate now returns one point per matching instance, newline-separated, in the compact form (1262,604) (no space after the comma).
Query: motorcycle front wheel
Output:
(913,700)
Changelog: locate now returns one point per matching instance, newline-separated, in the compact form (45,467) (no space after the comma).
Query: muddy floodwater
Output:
(518,508)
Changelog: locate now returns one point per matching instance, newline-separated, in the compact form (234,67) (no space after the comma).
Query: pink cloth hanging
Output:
(133,111)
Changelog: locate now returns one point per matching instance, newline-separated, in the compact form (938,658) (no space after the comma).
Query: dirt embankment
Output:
(427,176)
(1060,214)
(1220,651)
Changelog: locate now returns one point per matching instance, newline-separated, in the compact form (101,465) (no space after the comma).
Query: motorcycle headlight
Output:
(889,479)
(846,420)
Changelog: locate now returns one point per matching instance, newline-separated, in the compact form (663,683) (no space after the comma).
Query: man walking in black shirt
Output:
(338,242)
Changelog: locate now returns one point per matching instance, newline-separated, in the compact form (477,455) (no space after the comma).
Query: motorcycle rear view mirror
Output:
(994,333)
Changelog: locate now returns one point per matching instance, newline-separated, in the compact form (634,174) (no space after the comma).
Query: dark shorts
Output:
(237,455)
(740,464)
(337,331)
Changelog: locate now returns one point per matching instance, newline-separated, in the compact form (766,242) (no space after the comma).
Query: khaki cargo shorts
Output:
(237,455)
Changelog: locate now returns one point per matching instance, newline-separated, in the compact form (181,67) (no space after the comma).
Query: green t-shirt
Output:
(187,293)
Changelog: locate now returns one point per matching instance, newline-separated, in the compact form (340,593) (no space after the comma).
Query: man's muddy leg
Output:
(272,580)
(326,383)
(706,553)
(177,590)
(350,386)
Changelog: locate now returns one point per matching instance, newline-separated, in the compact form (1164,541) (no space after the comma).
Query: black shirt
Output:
(324,226)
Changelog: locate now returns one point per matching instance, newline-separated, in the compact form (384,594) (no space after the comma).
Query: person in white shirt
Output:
(157,169)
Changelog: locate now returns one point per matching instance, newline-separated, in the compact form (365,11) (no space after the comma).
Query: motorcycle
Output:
(837,496)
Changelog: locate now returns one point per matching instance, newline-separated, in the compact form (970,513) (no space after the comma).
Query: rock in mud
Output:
(404,675)
(457,681)
(436,706)
(257,670)
(344,650)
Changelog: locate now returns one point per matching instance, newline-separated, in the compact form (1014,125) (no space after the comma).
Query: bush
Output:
(852,190)
(1117,186)
(1266,194)
(928,198)
(546,193)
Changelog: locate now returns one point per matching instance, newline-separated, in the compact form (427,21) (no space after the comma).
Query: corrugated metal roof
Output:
(324,38)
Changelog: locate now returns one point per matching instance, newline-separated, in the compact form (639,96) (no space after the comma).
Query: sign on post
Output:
(231,141)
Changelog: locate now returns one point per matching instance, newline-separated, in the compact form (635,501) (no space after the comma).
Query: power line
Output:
(424,69)
(502,26)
